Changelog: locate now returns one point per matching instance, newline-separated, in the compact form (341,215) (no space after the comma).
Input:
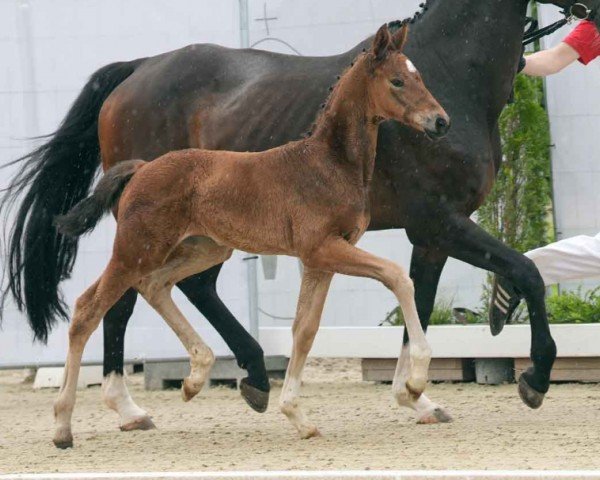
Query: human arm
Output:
(548,62)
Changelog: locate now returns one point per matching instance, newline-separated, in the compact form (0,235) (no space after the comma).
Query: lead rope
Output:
(534,33)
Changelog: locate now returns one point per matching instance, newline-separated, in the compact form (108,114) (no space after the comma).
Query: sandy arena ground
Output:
(361,426)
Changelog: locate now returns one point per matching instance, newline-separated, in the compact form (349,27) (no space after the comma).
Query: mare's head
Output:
(579,8)
(396,89)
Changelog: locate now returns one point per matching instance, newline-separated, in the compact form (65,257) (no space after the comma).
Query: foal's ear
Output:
(382,42)
(399,38)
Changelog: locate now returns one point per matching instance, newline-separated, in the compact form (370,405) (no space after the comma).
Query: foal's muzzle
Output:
(438,126)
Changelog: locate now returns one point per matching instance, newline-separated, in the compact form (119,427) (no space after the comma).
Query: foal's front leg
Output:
(313,293)
(425,270)
(341,257)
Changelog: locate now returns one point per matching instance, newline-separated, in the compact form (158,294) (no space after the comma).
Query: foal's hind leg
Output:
(193,255)
(89,309)
(313,293)
(201,290)
(201,356)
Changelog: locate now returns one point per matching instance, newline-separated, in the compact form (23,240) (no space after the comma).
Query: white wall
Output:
(573,98)
(69,39)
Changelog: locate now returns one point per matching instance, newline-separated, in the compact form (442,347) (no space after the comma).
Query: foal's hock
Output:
(187,211)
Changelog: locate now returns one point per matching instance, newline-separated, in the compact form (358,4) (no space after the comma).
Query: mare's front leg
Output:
(461,238)
(313,292)
(114,387)
(201,290)
(339,256)
(425,270)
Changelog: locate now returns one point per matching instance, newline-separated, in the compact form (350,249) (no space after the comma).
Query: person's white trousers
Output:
(574,258)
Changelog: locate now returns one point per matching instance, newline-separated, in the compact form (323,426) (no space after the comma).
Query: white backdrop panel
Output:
(70,39)
(573,100)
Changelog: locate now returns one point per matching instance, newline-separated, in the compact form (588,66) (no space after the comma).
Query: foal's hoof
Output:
(437,415)
(189,389)
(63,441)
(257,399)
(141,423)
(531,397)
(310,432)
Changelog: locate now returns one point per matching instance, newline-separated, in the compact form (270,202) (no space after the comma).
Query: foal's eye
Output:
(398,83)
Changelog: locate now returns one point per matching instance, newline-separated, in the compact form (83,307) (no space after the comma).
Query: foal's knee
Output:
(398,280)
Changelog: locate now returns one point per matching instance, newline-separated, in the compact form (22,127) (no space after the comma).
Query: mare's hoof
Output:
(311,432)
(257,399)
(531,397)
(141,423)
(438,415)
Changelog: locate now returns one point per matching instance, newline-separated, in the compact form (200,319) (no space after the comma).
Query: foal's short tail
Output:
(84,216)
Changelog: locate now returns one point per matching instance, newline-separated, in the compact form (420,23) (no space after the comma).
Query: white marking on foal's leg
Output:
(426,410)
(313,292)
(288,403)
(419,350)
(116,396)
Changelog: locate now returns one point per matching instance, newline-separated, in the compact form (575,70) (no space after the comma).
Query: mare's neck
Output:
(475,44)
(467,51)
(348,127)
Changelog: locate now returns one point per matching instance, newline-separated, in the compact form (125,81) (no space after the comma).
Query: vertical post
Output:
(244,28)
(27,67)
(252,276)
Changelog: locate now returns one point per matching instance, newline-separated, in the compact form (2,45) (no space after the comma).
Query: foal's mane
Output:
(394,26)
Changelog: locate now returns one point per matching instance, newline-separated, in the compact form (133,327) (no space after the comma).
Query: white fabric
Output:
(574,258)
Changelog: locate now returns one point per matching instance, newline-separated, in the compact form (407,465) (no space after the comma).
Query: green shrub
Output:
(574,307)
(442,314)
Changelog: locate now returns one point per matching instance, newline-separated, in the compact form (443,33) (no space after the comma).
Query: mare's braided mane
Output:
(394,26)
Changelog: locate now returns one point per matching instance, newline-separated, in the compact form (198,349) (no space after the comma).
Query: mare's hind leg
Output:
(114,386)
(425,270)
(89,309)
(201,290)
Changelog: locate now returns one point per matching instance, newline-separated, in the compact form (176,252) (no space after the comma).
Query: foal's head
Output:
(396,89)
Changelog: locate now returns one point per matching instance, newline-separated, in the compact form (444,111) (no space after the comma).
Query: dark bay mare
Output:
(218,98)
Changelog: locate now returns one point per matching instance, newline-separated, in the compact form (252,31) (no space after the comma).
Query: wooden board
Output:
(440,369)
(567,369)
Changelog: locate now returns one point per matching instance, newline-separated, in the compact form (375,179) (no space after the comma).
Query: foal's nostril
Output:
(441,125)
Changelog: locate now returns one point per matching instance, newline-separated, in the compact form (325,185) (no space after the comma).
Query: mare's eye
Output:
(396,82)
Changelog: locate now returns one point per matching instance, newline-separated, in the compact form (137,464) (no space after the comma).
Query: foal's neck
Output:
(348,125)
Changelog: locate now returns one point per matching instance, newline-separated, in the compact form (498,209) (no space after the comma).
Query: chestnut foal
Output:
(187,211)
